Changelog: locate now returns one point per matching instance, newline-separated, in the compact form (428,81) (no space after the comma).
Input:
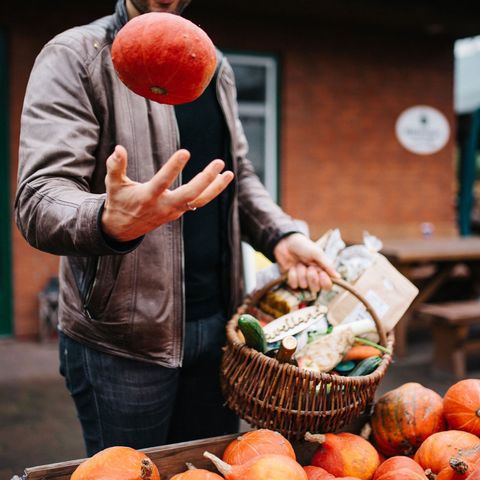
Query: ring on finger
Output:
(191,207)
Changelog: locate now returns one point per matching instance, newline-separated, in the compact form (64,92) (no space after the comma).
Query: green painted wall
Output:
(5,217)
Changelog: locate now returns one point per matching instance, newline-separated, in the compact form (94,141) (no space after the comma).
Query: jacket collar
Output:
(120,17)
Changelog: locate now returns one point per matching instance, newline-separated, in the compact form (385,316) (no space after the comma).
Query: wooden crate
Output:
(170,459)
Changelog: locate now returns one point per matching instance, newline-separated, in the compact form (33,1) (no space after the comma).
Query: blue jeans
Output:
(127,402)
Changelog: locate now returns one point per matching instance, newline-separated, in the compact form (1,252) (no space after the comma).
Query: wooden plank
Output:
(434,249)
(461,312)
(170,459)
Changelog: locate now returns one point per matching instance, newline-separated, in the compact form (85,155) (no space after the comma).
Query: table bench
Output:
(445,254)
(451,324)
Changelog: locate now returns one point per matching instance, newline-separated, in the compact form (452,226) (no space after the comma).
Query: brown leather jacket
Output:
(126,301)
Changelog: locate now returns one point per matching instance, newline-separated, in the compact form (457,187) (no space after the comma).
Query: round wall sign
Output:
(423,130)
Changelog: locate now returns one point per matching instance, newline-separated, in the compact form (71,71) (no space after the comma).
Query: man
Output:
(149,240)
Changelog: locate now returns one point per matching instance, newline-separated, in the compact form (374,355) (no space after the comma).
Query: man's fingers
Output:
(292,278)
(117,165)
(215,188)
(325,281)
(302,275)
(200,182)
(204,186)
(313,279)
(164,178)
(324,263)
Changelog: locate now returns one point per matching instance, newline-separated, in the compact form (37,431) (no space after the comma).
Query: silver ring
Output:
(190,207)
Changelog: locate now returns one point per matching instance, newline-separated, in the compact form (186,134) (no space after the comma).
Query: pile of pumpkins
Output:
(415,435)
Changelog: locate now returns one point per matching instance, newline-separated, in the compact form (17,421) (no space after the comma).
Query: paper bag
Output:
(385,289)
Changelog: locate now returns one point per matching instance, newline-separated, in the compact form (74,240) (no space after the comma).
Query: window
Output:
(257,86)
(257,89)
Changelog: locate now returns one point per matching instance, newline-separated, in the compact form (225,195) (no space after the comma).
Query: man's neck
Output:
(131,10)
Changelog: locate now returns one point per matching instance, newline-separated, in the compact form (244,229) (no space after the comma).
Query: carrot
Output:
(359,352)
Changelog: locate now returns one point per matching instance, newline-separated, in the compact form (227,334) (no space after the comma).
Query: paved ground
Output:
(37,419)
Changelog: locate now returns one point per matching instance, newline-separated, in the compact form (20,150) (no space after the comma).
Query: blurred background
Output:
(360,116)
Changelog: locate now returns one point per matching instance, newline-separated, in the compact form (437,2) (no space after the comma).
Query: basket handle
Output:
(255,297)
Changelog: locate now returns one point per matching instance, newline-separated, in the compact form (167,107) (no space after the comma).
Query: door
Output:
(5,215)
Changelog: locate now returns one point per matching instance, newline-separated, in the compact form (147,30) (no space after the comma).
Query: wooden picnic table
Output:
(444,254)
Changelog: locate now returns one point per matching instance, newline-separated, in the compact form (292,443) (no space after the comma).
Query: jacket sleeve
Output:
(263,223)
(54,208)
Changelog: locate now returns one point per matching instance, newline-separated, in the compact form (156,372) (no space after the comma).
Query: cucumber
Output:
(366,366)
(345,367)
(253,332)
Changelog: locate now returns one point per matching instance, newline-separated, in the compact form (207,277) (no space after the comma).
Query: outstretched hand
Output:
(133,209)
(306,263)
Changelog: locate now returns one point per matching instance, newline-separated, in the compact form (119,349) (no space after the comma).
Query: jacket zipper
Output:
(181,343)
(231,129)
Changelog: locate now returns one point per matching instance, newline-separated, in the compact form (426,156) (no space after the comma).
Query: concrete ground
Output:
(38,424)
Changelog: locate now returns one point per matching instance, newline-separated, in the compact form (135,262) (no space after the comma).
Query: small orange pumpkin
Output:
(261,467)
(450,472)
(164,57)
(475,475)
(345,454)
(404,417)
(196,474)
(317,473)
(117,463)
(254,443)
(452,455)
(399,467)
(461,405)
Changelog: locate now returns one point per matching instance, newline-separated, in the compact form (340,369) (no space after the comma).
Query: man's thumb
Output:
(117,164)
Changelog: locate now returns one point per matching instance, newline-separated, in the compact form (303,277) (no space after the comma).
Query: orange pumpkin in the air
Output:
(164,57)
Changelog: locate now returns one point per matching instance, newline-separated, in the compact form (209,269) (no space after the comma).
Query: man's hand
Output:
(305,262)
(133,209)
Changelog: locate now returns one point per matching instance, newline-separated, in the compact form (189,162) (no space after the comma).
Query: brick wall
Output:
(341,164)
(342,92)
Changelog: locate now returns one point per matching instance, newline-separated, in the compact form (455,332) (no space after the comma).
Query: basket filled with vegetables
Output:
(296,372)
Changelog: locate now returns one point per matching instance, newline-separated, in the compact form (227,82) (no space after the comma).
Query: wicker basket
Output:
(290,400)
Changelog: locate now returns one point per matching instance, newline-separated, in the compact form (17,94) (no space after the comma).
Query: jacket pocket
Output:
(100,286)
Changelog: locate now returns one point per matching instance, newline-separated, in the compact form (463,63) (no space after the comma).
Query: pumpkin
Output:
(117,463)
(196,474)
(452,454)
(461,406)
(164,57)
(475,475)
(318,473)
(345,454)
(448,473)
(261,467)
(404,417)
(254,443)
(399,467)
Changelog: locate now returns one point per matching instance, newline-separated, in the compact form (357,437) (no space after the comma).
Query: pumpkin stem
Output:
(458,465)
(190,466)
(315,437)
(222,467)
(146,469)
(366,431)
(158,90)
(429,474)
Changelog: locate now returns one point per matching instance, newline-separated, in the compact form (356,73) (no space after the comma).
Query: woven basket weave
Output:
(290,400)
